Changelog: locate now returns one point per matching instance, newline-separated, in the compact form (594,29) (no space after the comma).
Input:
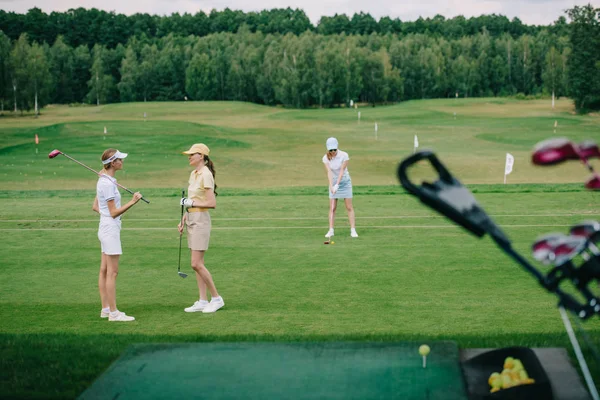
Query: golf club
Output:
(55,153)
(450,198)
(181,274)
(591,231)
(544,246)
(558,150)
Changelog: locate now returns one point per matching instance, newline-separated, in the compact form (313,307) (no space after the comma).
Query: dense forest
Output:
(278,57)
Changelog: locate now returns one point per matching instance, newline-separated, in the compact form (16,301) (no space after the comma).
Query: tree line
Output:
(304,70)
(81,26)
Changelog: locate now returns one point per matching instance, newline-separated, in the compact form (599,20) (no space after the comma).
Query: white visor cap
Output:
(332,143)
(112,158)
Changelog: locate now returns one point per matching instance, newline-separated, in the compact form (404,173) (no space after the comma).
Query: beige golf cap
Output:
(115,156)
(198,148)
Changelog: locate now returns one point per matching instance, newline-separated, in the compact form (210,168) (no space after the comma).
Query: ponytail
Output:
(211,166)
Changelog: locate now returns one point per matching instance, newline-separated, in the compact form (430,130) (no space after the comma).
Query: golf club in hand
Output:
(181,274)
(55,153)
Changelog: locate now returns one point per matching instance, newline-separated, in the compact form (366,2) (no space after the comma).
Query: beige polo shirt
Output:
(198,183)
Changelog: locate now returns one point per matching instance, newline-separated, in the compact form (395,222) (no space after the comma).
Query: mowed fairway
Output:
(411,275)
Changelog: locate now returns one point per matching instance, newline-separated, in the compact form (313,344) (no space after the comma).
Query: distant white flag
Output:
(359,116)
(510,160)
(105,130)
(553,99)
(351,103)
(376,127)
(416,142)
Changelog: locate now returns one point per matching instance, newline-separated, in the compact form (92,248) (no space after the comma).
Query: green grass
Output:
(411,275)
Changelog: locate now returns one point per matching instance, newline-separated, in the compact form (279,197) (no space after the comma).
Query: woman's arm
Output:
(211,200)
(115,212)
(95,206)
(342,169)
(329,174)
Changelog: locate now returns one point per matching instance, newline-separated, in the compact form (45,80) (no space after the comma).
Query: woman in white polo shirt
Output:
(340,184)
(108,204)
(201,198)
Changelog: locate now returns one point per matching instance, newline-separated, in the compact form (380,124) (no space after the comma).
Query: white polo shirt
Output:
(106,189)
(335,164)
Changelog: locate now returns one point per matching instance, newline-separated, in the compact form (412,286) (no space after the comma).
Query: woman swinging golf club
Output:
(108,204)
(201,198)
(340,185)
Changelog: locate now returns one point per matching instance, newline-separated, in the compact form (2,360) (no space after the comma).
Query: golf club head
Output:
(589,149)
(182,274)
(554,151)
(564,250)
(586,229)
(450,198)
(54,153)
(593,183)
(543,247)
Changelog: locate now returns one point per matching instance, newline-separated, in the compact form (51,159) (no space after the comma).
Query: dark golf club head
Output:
(182,274)
(54,153)
(593,183)
(544,246)
(554,151)
(586,229)
(589,149)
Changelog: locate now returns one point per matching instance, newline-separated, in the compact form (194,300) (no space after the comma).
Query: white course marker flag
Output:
(416,144)
(376,128)
(510,160)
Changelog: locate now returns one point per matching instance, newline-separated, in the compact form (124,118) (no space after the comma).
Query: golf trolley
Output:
(574,258)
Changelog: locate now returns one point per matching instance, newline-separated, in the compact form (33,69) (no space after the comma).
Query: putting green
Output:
(330,370)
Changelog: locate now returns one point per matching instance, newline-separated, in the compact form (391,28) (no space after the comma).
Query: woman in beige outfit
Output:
(201,198)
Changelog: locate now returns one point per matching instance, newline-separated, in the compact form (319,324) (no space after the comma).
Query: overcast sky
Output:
(531,12)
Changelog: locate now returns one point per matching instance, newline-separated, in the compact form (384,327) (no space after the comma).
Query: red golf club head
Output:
(544,246)
(54,153)
(554,151)
(589,149)
(585,229)
(593,183)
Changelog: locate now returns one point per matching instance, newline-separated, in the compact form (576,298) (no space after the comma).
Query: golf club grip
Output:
(130,192)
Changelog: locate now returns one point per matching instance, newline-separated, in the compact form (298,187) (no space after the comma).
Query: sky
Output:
(530,12)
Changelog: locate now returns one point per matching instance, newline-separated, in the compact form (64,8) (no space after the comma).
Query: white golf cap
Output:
(112,158)
(332,143)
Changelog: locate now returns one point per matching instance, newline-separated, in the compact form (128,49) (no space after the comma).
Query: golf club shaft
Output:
(180,234)
(585,162)
(98,173)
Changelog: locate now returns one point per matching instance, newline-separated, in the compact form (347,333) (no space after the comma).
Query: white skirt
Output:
(110,239)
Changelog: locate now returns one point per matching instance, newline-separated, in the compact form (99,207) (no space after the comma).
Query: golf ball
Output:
(424,350)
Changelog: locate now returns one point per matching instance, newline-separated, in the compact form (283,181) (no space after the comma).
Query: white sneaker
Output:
(197,306)
(104,314)
(353,233)
(121,317)
(213,306)
(329,233)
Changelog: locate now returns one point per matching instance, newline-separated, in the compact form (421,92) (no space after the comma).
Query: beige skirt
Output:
(198,229)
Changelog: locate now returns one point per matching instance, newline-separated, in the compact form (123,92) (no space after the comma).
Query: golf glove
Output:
(335,188)
(186,202)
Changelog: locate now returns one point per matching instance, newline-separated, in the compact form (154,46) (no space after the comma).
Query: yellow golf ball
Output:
(332,242)
(424,350)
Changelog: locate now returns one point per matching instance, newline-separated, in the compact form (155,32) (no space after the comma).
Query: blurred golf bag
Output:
(574,258)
